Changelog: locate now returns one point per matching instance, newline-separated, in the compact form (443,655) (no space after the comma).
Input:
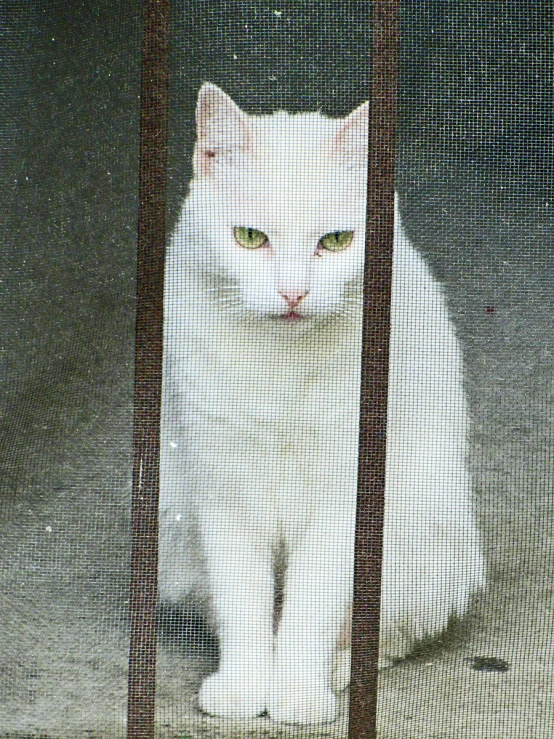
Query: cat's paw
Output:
(302,702)
(234,694)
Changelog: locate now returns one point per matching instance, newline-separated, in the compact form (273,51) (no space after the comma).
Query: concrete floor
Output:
(476,201)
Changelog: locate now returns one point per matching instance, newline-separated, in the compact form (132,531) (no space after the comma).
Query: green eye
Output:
(250,238)
(336,241)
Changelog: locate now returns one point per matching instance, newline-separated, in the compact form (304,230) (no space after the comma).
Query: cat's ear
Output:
(222,130)
(351,139)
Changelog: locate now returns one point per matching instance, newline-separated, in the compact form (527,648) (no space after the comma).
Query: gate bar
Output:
(148,369)
(375,365)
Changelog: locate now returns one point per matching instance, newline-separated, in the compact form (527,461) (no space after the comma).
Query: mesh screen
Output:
(70,133)
(261,374)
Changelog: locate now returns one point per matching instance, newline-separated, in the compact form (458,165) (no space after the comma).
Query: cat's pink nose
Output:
(293,298)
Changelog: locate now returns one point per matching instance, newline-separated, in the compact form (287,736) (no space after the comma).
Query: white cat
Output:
(260,414)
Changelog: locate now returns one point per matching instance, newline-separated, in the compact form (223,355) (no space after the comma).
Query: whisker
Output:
(230,304)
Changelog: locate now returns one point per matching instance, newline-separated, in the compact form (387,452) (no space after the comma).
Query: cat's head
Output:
(277,208)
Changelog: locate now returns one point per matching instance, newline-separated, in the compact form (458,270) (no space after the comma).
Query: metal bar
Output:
(148,370)
(375,366)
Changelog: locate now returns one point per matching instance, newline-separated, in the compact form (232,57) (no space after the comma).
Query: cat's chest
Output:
(231,378)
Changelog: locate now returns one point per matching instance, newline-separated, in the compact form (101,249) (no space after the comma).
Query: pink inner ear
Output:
(352,137)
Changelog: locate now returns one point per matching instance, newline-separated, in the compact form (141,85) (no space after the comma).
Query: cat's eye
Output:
(336,241)
(250,238)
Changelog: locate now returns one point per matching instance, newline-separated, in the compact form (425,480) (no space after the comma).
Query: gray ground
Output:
(485,223)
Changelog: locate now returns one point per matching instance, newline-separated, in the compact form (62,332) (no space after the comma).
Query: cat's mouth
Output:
(292,317)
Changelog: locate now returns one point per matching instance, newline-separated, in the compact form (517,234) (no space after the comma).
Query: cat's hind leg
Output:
(340,678)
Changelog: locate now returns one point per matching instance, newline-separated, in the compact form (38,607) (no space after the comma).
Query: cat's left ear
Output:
(351,139)
(222,130)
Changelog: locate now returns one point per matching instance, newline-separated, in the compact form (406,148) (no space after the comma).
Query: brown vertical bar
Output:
(148,370)
(375,366)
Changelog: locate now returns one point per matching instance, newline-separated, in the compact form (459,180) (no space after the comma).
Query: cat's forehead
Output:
(307,196)
(296,135)
(293,158)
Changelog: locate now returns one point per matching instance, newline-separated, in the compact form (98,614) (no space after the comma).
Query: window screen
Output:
(255,375)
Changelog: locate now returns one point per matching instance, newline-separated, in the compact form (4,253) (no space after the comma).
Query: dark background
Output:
(475,175)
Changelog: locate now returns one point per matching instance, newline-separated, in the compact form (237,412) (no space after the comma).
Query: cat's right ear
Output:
(351,139)
(222,130)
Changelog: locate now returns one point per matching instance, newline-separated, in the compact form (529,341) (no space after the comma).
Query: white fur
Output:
(260,416)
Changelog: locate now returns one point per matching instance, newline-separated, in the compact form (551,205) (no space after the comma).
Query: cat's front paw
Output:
(234,694)
(294,701)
